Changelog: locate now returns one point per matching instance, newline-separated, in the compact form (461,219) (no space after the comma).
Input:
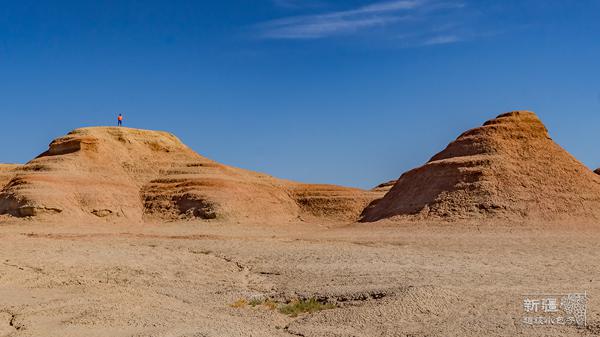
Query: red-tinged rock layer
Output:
(509,168)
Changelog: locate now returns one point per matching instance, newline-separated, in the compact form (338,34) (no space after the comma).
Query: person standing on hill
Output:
(120,120)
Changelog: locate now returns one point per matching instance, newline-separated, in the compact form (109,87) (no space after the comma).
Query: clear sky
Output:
(350,92)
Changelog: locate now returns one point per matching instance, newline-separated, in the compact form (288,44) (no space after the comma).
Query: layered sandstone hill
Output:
(385,187)
(137,175)
(508,168)
(7,172)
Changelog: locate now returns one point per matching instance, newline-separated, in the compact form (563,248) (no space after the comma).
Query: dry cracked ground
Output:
(183,279)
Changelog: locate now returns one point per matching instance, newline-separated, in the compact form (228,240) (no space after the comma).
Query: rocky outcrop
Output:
(205,189)
(385,187)
(332,202)
(509,169)
(91,171)
(122,174)
(7,172)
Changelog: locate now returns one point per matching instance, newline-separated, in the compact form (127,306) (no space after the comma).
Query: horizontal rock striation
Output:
(509,168)
(122,174)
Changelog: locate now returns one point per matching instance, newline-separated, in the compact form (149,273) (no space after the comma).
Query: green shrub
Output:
(255,301)
(297,307)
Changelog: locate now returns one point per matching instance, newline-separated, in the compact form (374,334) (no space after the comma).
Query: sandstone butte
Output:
(122,174)
(509,168)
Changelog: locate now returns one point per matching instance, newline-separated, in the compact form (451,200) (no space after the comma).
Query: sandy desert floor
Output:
(181,279)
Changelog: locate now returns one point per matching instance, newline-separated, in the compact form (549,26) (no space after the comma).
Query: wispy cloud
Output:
(441,39)
(414,22)
(340,22)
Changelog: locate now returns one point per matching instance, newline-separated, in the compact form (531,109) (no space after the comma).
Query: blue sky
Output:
(345,92)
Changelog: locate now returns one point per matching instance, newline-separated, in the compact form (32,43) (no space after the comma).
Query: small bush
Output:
(239,303)
(255,301)
(270,304)
(292,309)
(309,306)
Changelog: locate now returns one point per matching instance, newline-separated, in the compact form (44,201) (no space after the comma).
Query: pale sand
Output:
(181,279)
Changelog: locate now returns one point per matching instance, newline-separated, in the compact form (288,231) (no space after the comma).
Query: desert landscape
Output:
(126,232)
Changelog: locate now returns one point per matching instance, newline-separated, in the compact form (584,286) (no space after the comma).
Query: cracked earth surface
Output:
(182,279)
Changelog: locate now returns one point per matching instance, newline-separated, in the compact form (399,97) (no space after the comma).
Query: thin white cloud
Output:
(388,6)
(335,23)
(441,39)
(411,23)
(323,28)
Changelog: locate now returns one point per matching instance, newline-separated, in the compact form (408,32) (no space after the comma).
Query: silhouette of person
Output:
(120,120)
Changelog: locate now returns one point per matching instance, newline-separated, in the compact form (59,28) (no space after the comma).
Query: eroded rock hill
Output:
(7,172)
(507,168)
(385,187)
(139,175)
